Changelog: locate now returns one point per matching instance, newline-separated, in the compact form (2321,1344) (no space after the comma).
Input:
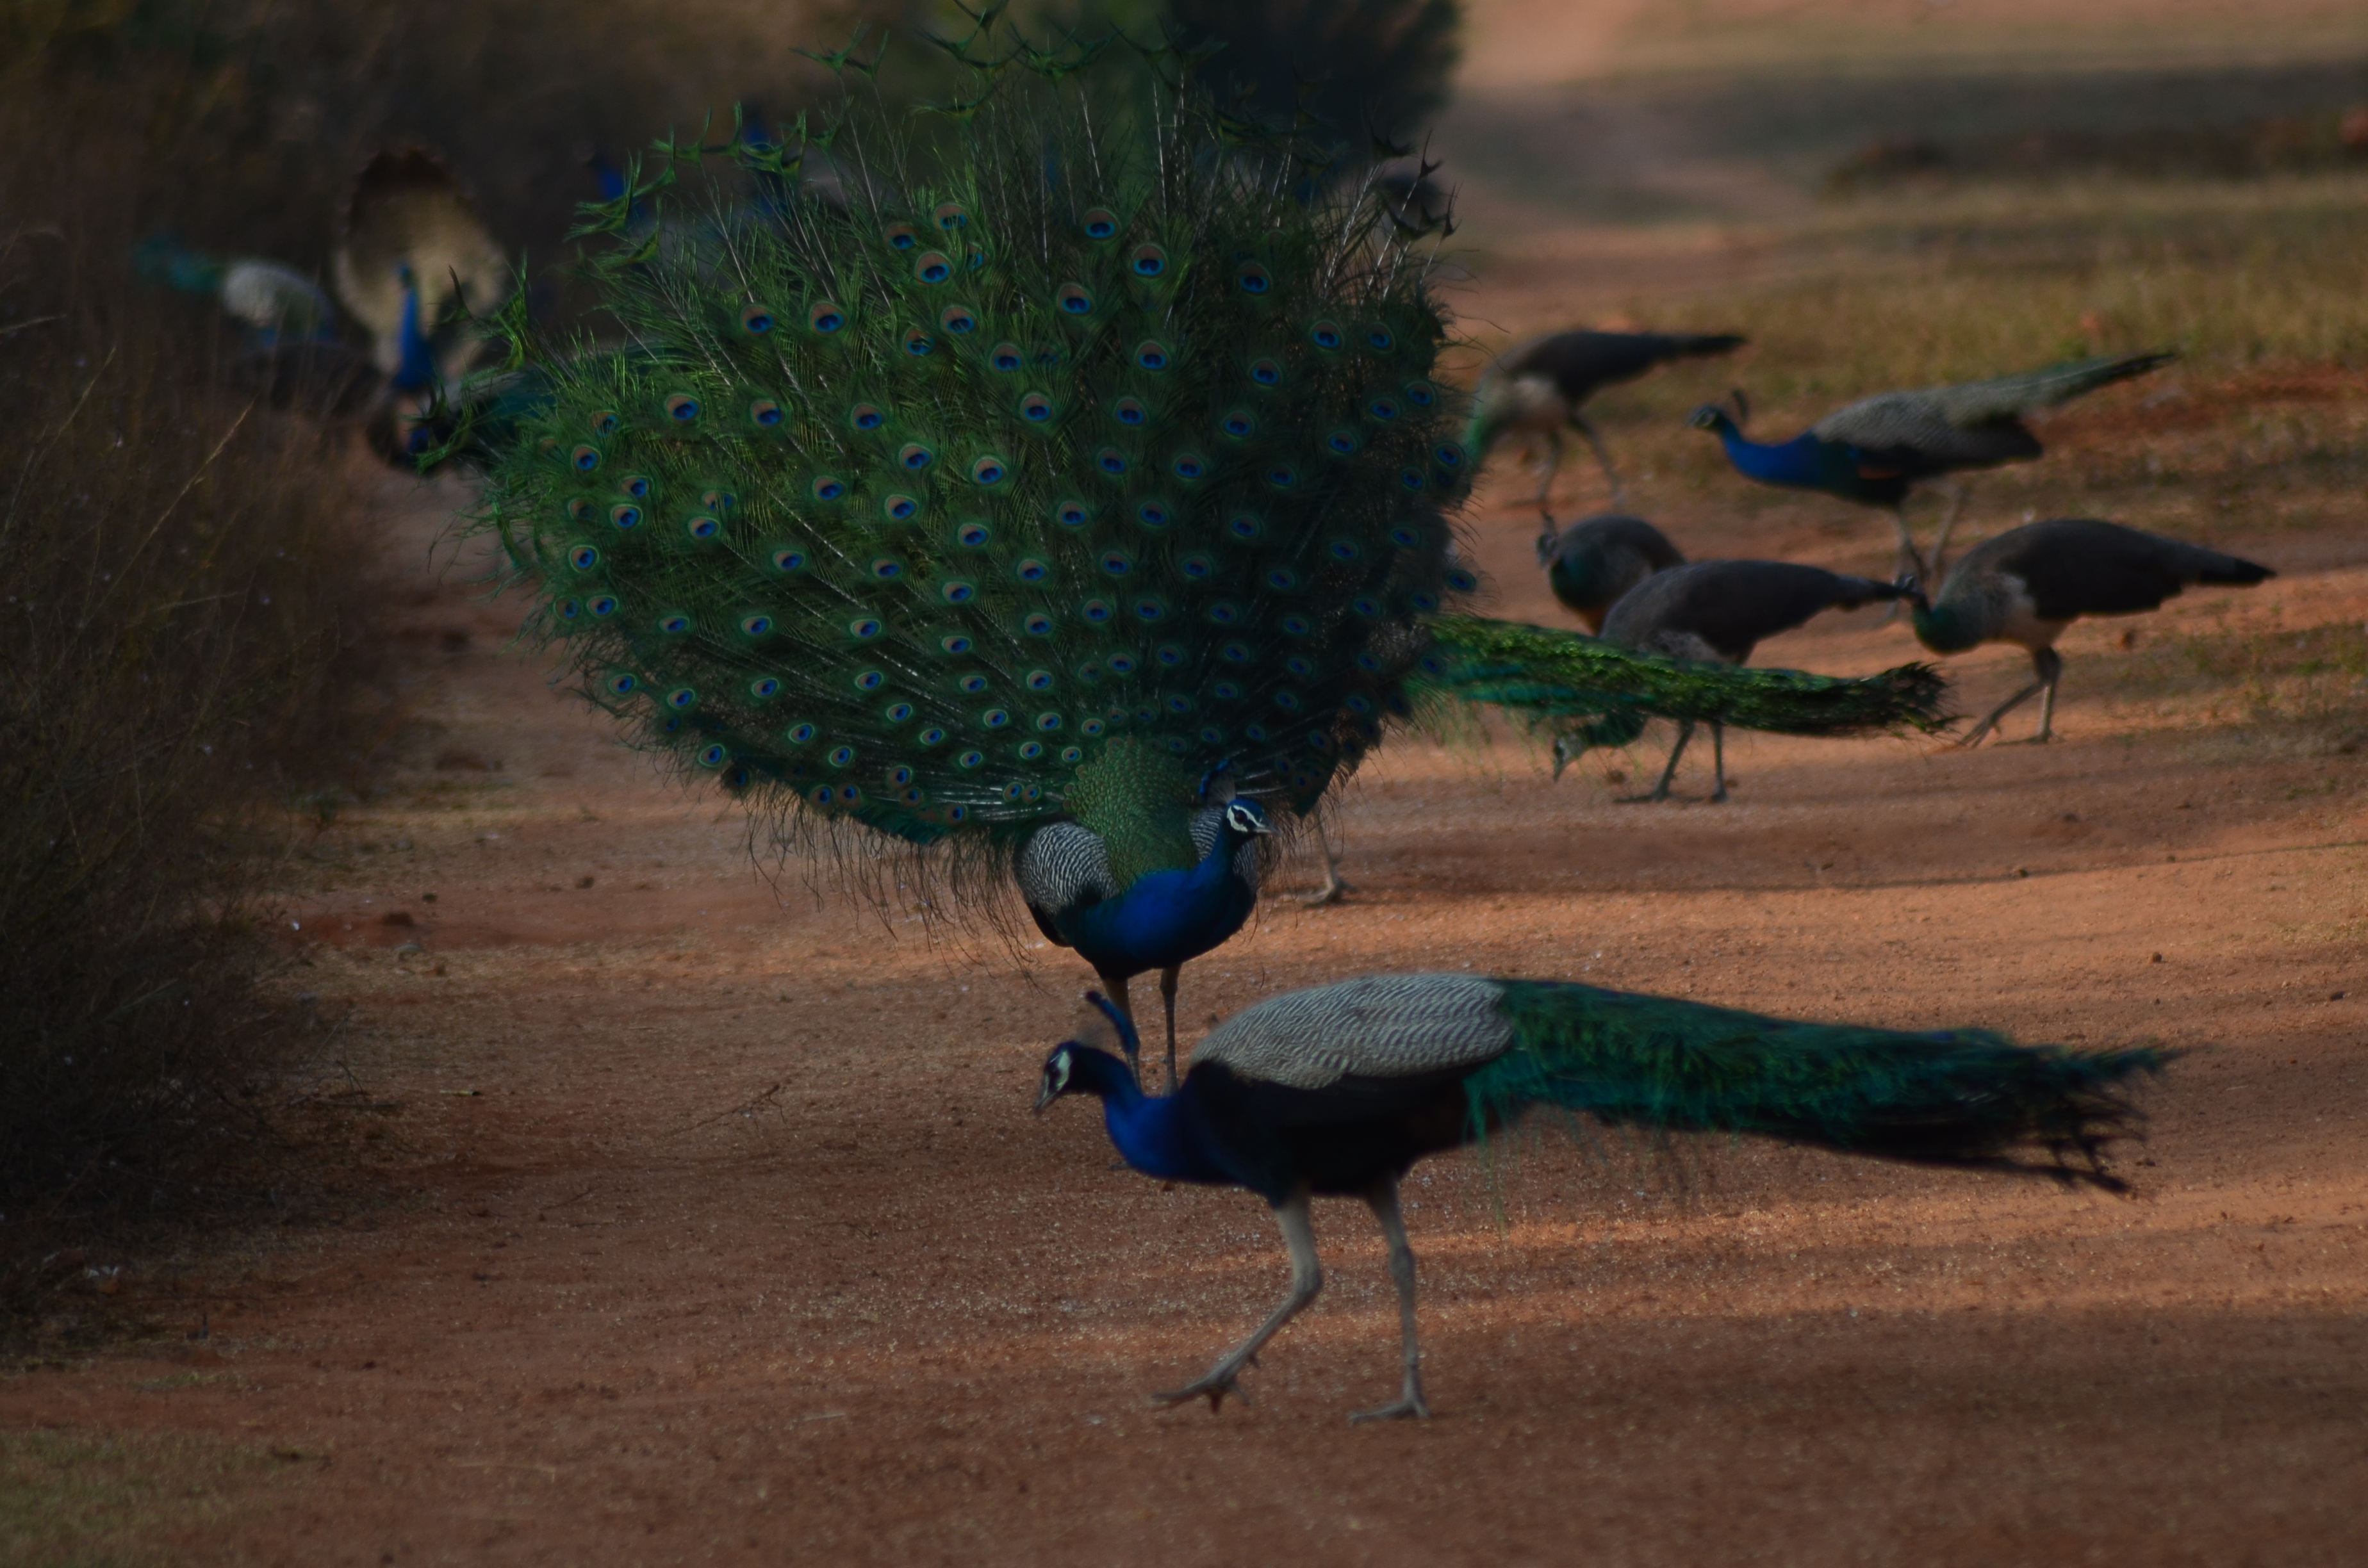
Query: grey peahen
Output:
(1590,564)
(1053,481)
(1541,388)
(1878,449)
(2027,585)
(1339,1090)
(1721,610)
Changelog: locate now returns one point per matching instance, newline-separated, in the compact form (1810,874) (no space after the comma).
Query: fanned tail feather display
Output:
(1562,679)
(1960,1096)
(1039,468)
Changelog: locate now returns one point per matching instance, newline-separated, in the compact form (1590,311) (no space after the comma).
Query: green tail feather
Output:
(1021,443)
(1560,679)
(1953,1097)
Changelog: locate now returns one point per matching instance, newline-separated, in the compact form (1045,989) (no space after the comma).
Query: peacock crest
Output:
(1027,462)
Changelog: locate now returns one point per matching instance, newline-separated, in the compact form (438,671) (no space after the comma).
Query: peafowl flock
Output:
(1877,449)
(1541,388)
(1719,611)
(1590,564)
(1339,1090)
(1066,495)
(2027,585)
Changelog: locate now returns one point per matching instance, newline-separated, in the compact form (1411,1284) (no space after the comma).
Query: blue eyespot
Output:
(789,559)
(1147,261)
(1005,356)
(1100,223)
(867,417)
(826,318)
(933,267)
(756,320)
(1325,335)
(683,408)
(829,487)
(583,557)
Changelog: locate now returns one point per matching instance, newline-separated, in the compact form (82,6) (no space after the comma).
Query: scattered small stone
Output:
(582,881)
(397,917)
(427,898)
(2157,958)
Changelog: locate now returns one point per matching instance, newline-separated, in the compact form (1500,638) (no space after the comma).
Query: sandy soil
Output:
(712,1226)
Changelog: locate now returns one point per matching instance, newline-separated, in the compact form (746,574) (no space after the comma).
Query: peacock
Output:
(290,351)
(1877,449)
(1541,388)
(2027,585)
(1063,495)
(1590,564)
(1336,1091)
(1721,610)
(413,261)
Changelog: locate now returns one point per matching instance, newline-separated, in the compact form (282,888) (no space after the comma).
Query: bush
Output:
(186,592)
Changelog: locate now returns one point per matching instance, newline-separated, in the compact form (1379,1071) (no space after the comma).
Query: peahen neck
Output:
(1158,1135)
(1139,803)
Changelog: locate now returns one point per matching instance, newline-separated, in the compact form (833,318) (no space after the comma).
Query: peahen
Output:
(1590,564)
(2027,585)
(1339,1090)
(1719,611)
(1038,488)
(1541,388)
(413,262)
(1878,449)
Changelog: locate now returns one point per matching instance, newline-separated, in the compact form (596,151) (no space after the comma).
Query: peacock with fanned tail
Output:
(1069,492)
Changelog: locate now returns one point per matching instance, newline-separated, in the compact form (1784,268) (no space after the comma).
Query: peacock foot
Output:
(1328,894)
(1411,1406)
(1220,1382)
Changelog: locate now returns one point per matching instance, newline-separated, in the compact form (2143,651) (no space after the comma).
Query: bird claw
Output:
(1220,1382)
(1328,894)
(1410,1408)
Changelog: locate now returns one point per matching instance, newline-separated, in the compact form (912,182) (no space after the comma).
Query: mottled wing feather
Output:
(1906,428)
(1382,1025)
(1063,867)
(2004,397)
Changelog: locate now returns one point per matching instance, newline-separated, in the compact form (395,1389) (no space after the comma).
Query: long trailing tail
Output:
(2034,391)
(1953,1096)
(1700,345)
(1581,686)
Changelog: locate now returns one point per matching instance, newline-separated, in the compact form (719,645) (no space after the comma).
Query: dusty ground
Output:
(709,1226)
(704,1221)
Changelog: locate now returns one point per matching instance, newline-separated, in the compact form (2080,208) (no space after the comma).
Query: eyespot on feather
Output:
(958,320)
(1325,335)
(1152,354)
(1100,223)
(1252,278)
(950,215)
(824,318)
(1006,357)
(933,267)
(764,412)
(902,236)
(681,407)
(1036,408)
(867,417)
(829,487)
(918,344)
(1074,299)
(1146,261)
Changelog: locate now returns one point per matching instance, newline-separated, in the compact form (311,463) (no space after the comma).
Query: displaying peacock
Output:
(1339,1090)
(1042,482)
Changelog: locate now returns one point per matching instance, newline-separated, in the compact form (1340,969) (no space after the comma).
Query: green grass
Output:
(76,1501)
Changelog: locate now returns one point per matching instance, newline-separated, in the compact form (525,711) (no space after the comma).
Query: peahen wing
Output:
(1913,432)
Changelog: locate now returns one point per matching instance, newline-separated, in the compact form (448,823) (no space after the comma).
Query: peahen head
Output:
(1549,548)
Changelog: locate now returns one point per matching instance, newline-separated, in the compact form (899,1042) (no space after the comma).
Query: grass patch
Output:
(71,1501)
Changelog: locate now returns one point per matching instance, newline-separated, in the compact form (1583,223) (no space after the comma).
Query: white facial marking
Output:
(1061,1073)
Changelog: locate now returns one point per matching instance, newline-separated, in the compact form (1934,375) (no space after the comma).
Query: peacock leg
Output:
(1956,494)
(1661,790)
(2050,666)
(1580,423)
(1973,737)
(1333,886)
(1116,984)
(1385,1201)
(1551,466)
(1306,1278)
(1167,999)
(1718,759)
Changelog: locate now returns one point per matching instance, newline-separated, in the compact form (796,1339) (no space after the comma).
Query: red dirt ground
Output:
(717,1228)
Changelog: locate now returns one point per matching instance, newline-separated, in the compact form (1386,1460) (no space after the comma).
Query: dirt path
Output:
(715,1228)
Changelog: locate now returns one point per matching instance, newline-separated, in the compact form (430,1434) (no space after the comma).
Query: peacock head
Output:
(1711,416)
(1246,818)
(1549,548)
(1083,1064)
(1912,591)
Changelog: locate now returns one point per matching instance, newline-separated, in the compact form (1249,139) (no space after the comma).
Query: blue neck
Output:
(1166,917)
(416,370)
(1804,462)
(1160,1136)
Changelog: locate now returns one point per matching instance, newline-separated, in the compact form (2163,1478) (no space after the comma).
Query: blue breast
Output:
(1803,462)
(1166,917)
